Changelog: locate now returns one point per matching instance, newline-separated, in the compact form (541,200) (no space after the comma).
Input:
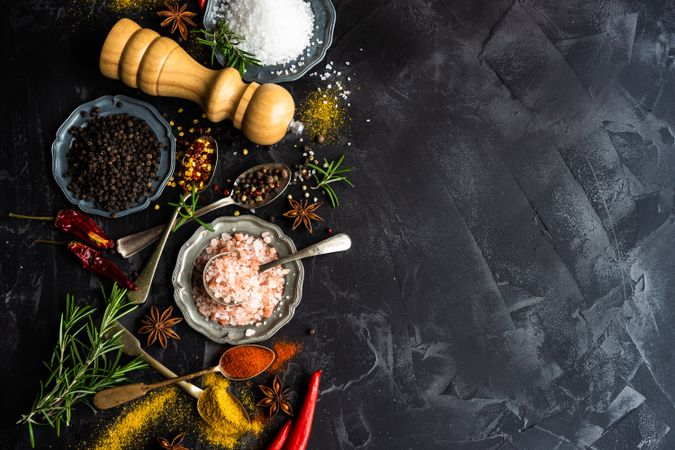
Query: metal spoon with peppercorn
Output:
(256,187)
(195,174)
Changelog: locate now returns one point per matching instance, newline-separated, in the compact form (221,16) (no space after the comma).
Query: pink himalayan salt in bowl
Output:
(234,293)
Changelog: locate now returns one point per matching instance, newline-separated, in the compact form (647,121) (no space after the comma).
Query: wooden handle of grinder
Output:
(157,65)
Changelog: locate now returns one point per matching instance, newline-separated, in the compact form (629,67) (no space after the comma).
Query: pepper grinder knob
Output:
(157,65)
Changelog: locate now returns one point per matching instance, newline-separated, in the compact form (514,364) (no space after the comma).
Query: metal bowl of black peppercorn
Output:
(113,156)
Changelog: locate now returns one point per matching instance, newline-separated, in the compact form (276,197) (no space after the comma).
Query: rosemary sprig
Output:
(186,211)
(331,172)
(226,42)
(86,359)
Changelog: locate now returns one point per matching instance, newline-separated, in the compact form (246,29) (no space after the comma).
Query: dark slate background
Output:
(512,275)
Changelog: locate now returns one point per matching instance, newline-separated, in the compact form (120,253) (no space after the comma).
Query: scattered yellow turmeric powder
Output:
(226,421)
(91,9)
(323,114)
(246,398)
(133,426)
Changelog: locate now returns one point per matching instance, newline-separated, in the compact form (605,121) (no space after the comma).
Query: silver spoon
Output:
(338,243)
(144,280)
(130,245)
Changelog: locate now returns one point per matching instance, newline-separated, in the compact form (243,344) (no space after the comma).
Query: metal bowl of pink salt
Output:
(232,277)
(248,307)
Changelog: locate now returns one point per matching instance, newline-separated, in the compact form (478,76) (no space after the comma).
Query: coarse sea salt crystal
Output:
(275,31)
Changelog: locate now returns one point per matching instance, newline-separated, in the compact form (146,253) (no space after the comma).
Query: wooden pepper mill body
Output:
(157,65)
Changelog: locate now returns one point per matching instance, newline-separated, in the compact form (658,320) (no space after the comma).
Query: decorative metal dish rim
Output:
(63,129)
(327,42)
(204,326)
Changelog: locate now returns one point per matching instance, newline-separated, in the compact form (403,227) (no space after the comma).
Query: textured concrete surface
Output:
(511,283)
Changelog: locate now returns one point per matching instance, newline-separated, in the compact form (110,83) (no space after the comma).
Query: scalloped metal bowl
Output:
(183,273)
(324,26)
(109,105)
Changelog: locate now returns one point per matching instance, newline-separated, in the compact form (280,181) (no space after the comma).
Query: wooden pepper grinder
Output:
(141,58)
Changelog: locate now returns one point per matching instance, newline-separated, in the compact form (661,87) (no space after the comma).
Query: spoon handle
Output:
(144,280)
(115,396)
(338,243)
(132,347)
(130,245)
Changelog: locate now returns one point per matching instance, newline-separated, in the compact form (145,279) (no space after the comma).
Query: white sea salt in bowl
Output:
(289,49)
(252,321)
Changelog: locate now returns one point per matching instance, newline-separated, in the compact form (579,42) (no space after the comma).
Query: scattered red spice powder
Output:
(245,361)
(285,350)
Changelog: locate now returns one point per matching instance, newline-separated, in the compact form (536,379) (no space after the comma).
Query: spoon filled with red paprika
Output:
(238,363)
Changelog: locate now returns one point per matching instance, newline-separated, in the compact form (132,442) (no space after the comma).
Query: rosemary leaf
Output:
(226,42)
(187,211)
(79,367)
(331,172)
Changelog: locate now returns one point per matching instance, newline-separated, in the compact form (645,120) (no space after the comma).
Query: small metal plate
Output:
(183,273)
(324,25)
(110,105)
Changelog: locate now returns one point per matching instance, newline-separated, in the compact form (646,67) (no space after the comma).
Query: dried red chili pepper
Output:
(202,4)
(279,440)
(299,436)
(82,226)
(78,224)
(94,261)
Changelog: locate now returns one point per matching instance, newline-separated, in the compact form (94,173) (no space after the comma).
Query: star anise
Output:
(175,444)
(177,16)
(159,327)
(303,211)
(276,398)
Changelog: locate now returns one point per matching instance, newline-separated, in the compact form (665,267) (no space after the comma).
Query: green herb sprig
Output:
(186,211)
(86,359)
(331,172)
(226,42)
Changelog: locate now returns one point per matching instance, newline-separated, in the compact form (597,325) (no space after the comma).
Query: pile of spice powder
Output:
(323,114)
(225,423)
(135,423)
(245,361)
(285,350)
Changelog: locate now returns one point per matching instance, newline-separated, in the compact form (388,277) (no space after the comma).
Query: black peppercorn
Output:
(113,160)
